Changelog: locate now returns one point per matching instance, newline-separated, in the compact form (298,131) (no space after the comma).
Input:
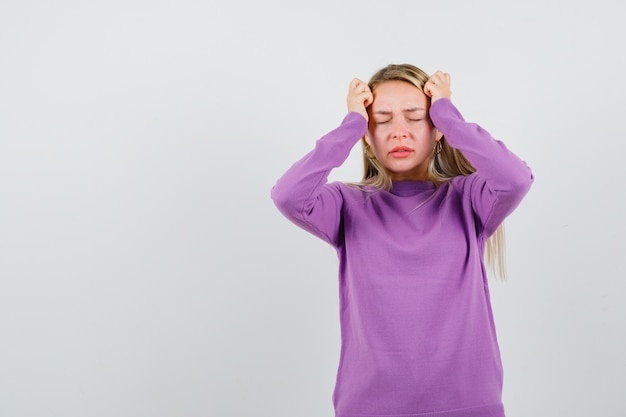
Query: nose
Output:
(399,130)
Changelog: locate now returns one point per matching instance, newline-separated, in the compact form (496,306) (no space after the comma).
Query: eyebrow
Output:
(407,110)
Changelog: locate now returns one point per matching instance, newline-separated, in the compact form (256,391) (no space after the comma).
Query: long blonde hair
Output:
(445,164)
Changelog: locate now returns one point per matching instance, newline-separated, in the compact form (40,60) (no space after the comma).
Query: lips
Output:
(400,151)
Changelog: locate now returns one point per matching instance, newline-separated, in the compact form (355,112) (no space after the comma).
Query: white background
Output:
(144,270)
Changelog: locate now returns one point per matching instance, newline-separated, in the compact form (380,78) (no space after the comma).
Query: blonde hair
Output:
(446,163)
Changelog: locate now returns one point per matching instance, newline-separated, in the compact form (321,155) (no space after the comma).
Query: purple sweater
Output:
(417,331)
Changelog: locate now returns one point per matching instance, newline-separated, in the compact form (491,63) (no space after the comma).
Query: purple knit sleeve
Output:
(302,193)
(501,180)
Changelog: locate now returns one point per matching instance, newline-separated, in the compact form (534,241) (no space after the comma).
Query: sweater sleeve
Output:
(501,180)
(303,195)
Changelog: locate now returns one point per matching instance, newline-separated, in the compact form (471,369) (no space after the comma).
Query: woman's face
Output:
(401,134)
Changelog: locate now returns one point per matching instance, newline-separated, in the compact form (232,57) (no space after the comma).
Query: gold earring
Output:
(438,147)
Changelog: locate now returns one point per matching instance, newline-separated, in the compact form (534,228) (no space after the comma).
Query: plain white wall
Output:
(144,270)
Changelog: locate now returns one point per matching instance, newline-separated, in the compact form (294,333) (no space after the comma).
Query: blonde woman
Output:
(418,336)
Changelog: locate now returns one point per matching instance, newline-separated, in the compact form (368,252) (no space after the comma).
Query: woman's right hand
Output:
(359,97)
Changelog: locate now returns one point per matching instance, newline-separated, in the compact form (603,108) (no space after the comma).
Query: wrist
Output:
(360,111)
(433,99)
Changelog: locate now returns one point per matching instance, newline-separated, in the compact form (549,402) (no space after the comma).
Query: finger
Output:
(354,84)
(362,96)
(444,78)
(357,84)
(427,89)
(360,89)
(440,77)
(368,98)
(438,73)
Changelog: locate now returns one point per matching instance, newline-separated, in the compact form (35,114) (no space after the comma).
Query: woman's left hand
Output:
(438,86)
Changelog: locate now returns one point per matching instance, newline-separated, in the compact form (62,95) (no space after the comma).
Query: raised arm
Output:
(302,193)
(502,179)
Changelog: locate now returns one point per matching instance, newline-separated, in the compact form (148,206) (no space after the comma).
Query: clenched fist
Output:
(359,97)
(438,86)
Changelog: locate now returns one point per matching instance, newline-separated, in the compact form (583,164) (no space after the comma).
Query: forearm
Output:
(300,193)
(501,168)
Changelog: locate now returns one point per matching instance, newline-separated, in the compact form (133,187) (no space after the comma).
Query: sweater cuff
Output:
(356,121)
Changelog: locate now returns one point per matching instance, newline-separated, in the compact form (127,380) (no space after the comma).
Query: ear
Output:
(438,134)
(366,139)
